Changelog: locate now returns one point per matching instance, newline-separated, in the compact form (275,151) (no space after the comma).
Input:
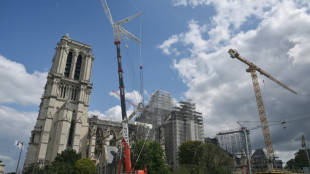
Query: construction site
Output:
(64,121)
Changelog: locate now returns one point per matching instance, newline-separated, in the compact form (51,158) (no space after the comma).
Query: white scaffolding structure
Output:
(234,141)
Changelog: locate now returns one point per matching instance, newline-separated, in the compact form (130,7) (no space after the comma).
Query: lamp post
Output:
(247,150)
(20,153)
(303,144)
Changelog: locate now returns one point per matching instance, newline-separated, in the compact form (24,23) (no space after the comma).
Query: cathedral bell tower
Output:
(62,120)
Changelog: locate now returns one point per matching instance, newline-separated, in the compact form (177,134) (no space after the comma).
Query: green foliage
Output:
(30,169)
(152,156)
(299,161)
(217,158)
(85,165)
(198,157)
(191,168)
(68,162)
(192,153)
(68,156)
(65,161)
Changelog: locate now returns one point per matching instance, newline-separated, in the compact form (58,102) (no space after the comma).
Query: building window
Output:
(64,92)
(68,65)
(32,137)
(78,68)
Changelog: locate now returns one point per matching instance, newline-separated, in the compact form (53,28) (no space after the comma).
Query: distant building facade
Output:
(235,141)
(1,167)
(172,125)
(211,140)
(183,124)
(62,120)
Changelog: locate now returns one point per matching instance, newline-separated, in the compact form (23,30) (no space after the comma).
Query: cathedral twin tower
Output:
(62,120)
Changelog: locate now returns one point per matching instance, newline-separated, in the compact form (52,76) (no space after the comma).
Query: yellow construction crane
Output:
(261,111)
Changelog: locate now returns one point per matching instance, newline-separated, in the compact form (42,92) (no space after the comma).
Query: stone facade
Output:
(106,141)
(62,120)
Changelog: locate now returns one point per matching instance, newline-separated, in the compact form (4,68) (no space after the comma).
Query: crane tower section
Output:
(260,106)
(262,113)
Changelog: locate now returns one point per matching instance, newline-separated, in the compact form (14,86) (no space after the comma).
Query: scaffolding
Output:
(234,141)
(184,124)
(156,113)
(172,125)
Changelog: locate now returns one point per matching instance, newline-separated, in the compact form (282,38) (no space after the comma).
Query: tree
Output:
(217,158)
(85,165)
(152,156)
(33,169)
(65,161)
(300,160)
(192,153)
(198,157)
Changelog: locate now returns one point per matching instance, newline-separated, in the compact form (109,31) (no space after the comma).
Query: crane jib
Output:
(234,54)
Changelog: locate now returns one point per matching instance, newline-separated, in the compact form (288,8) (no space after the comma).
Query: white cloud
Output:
(166,45)
(219,85)
(7,161)
(12,119)
(18,86)
(133,98)
(231,14)
(113,113)
(15,126)
(193,3)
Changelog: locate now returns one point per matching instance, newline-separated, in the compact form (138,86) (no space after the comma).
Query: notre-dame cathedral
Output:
(62,120)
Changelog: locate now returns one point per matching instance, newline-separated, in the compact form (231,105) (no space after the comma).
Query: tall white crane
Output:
(261,110)
(121,33)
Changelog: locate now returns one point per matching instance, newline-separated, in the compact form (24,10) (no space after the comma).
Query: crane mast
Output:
(262,113)
(260,105)
(121,33)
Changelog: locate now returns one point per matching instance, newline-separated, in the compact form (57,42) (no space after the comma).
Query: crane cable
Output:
(141,66)
(132,72)
(141,149)
(141,85)
(277,122)
(134,81)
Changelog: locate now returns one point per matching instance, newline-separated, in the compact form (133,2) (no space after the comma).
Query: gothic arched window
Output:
(68,65)
(78,68)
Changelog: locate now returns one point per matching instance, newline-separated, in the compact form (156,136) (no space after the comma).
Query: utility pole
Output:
(247,149)
(20,153)
(248,154)
(303,144)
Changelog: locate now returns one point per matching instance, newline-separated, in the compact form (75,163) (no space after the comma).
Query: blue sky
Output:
(184,51)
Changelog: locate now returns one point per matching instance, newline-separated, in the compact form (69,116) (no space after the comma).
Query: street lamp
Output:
(20,153)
